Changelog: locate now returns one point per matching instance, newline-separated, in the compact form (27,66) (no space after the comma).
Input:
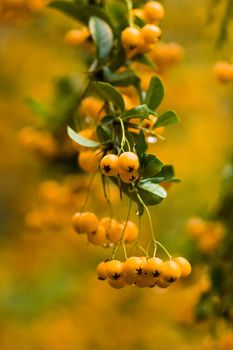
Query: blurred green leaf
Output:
(151,193)
(140,144)
(83,141)
(119,14)
(121,79)
(103,37)
(155,93)
(167,118)
(104,133)
(108,93)
(139,112)
(151,165)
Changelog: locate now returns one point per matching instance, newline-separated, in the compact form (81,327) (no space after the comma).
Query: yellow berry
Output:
(114,269)
(130,37)
(109,165)
(154,11)
(154,267)
(89,160)
(97,237)
(151,33)
(101,271)
(131,232)
(184,266)
(128,163)
(85,222)
(171,272)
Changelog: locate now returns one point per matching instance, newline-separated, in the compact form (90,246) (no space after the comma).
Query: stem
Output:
(123,139)
(166,251)
(88,192)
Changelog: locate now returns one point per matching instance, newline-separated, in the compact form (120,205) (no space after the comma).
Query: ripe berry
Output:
(161,283)
(154,11)
(131,232)
(151,33)
(89,160)
(114,269)
(224,71)
(85,222)
(129,178)
(128,163)
(144,281)
(171,272)
(113,229)
(130,37)
(97,237)
(154,267)
(109,165)
(133,268)
(76,36)
(184,266)
(117,284)
(101,271)
(91,107)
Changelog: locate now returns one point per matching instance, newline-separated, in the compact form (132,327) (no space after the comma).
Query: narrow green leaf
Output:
(145,59)
(103,37)
(38,108)
(167,118)
(119,14)
(83,141)
(108,93)
(151,165)
(141,112)
(166,174)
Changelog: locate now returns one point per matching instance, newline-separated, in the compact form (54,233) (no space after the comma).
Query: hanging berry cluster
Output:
(117,119)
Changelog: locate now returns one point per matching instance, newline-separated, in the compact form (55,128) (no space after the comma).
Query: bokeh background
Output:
(50,297)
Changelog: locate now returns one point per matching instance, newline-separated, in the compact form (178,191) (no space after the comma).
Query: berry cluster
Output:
(136,40)
(143,272)
(106,231)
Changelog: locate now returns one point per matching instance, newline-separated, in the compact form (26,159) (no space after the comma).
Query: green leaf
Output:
(151,165)
(166,174)
(119,14)
(104,133)
(140,112)
(38,108)
(140,144)
(83,141)
(155,93)
(121,79)
(151,193)
(108,93)
(167,118)
(103,37)
(145,59)
(80,12)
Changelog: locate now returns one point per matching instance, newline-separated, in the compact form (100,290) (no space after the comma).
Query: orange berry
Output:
(77,37)
(129,178)
(133,268)
(154,267)
(184,266)
(85,222)
(101,271)
(114,269)
(144,281)
(113,229)
(161,283)
(128,163)
(130,37)
(131,232)
(97,237)
(171,272)
(151,33)
(91,107)
(224,72)
(117,284)
(196,226)
(89,160)
(109,165)
(154,11)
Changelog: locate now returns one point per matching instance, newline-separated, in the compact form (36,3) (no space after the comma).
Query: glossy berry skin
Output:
(154,11)
(130,37)
(114,269)
(184,266)
(97,237)
(151,33)
(134,267)
(145,281)
(172,271)
(154,267)
(76,36)
(109,165)
(131,232)
(128,163)
(101,271)
(224,71)
(85,222)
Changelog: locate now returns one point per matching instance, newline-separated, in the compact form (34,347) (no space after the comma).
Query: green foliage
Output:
(155,93)
(108,93)
(82,141)
(167,118)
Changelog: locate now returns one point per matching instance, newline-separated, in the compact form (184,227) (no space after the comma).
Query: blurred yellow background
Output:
(50,297)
